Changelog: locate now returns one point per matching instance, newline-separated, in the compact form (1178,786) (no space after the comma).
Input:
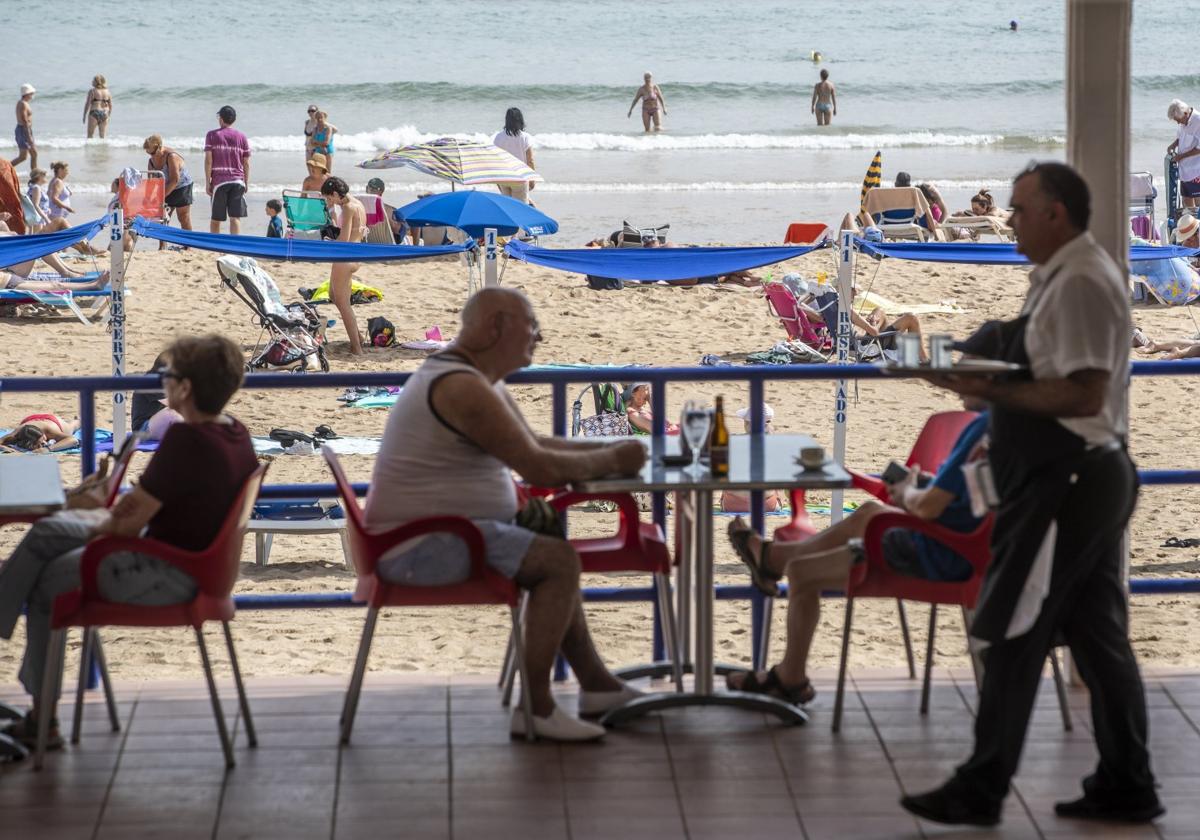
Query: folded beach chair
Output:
(145,197)
(633,237)
(805,233)
(1141,205)
(379,230)
(305,213)
(901,213)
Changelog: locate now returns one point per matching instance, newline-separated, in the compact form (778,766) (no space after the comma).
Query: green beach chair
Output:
(305,213)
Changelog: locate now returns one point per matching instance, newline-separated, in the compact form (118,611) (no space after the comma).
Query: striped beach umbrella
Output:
(874,176)
(457,161)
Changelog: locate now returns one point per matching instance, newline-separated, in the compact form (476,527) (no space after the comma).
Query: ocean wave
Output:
(382,139)
(415,187)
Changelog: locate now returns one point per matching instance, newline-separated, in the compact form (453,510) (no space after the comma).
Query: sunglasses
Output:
(167,373)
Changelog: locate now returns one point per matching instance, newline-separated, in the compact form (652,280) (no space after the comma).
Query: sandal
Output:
(764,579)
(24,732)
(772,686)
(1184,542)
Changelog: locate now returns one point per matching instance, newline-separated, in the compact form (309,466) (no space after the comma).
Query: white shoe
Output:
(557,726)
(598,702)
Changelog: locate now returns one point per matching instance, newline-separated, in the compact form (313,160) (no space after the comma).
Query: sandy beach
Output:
(174,292)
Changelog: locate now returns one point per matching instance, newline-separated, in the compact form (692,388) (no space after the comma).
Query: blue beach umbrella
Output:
(472,211)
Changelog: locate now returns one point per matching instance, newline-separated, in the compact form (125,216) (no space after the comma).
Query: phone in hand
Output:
(895,473)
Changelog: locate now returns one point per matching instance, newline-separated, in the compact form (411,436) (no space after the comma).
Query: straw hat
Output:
(319,160)
(27,89)
(1187,227)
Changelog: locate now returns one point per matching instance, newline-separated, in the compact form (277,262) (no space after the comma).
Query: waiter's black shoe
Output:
(952,805)
(1142,809)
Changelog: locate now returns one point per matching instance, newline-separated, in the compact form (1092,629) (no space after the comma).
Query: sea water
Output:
(945,91)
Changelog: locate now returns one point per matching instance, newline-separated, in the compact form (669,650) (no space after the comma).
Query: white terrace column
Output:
(1098,34)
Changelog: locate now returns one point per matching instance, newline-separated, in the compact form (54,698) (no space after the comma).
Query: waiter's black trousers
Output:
(1087,606)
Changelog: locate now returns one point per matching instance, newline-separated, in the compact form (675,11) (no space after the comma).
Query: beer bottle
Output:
(719,442)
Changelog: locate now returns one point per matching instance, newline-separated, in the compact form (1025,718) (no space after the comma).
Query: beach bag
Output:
(605,284)
(605,424)
(382,332)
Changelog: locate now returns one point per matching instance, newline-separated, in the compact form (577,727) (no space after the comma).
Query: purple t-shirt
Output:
(228,146)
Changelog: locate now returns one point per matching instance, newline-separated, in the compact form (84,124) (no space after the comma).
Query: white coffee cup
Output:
(812,457)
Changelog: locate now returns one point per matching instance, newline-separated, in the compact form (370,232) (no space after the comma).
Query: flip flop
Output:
(1185,542)
(764,580)
(772,686)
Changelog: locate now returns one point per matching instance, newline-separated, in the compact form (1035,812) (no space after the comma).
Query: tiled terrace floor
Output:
(431,758)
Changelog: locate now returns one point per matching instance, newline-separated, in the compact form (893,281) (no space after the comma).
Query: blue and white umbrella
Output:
(473,212)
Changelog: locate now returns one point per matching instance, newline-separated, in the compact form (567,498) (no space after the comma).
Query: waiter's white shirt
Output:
(1079,319)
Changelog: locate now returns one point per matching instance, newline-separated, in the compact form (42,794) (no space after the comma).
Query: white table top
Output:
(756,462)
(30,484)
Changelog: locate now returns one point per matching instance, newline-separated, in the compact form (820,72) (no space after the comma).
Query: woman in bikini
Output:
(652,102)
(354,225)
(97,108)
(39,431)
(322,138)
(310,125)
(60,209)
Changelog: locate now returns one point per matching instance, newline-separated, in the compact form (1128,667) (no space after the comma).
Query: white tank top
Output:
(425,468)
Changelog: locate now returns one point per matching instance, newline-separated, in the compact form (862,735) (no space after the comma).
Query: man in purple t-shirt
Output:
(226,171)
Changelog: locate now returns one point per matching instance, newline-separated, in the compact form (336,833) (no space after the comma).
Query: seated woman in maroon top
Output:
(182,499)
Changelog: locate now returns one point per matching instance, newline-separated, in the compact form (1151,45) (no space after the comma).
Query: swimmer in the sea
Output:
(652,102)
(824,99)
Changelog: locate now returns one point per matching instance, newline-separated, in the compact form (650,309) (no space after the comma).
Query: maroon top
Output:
(196,473)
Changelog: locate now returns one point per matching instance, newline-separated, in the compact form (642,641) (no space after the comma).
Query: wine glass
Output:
(696,421)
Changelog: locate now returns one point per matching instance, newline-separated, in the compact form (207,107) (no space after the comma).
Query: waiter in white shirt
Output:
(1067,488)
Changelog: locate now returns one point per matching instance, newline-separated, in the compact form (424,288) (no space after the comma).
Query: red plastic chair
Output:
(215,571)
(804,233)
(875,579)
(636,547)
(146,199)
(483,586)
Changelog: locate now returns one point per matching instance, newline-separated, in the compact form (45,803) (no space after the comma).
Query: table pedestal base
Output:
(663,670)
(786,712)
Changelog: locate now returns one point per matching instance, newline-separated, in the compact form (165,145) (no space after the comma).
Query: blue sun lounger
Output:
(66,299)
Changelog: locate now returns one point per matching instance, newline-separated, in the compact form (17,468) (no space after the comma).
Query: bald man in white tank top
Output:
(452,441)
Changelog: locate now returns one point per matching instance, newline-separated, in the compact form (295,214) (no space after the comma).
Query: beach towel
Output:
(264,445)
(359,293)
(885,202)
(869,300)
(10,195)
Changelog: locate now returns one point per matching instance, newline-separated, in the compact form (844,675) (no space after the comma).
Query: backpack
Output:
(382,332)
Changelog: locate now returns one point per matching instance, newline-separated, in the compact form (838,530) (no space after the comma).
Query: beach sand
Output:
(175,293)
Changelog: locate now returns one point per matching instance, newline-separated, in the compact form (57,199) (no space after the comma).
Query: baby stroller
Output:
(295,332)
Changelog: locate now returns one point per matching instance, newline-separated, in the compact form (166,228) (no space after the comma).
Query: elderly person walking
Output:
(652,102)
(451,444)
(1185,151)
(178,186)
(181,499)
(1067,488)
(97,107)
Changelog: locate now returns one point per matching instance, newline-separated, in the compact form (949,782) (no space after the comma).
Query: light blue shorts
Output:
(439,559)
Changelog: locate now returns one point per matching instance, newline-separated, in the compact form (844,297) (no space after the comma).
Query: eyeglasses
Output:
(312,110)
(167,373)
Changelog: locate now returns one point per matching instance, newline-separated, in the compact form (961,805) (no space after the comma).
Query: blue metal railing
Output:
(559,380)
